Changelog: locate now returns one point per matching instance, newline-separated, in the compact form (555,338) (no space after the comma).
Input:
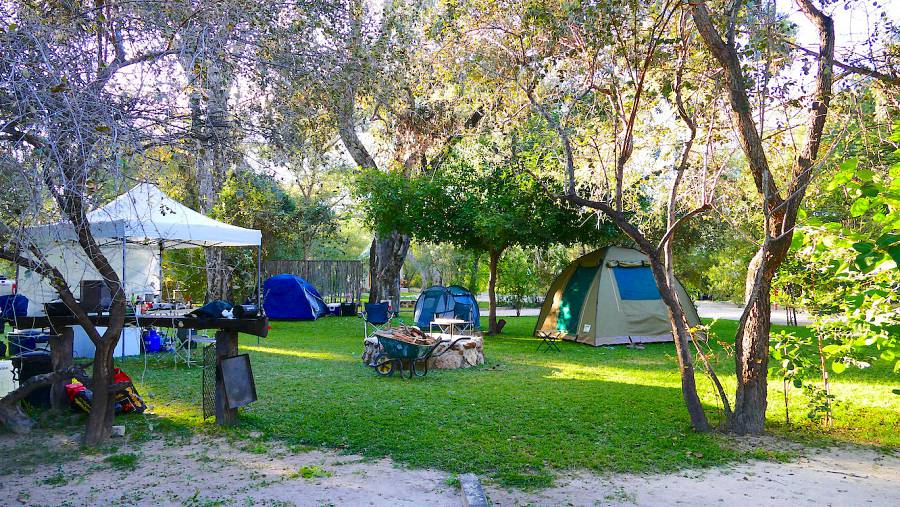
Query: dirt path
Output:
(836,477)
(207,471)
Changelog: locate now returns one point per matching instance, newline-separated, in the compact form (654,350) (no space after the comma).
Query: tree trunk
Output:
(751,346)
(102,411)
(210,132)
(682,337)
(473,275)
(492,291)
(384,278)
(61,346)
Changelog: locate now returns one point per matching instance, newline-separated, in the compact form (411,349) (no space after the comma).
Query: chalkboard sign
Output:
(237,376)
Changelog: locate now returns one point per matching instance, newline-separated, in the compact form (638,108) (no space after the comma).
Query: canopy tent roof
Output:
(146,215)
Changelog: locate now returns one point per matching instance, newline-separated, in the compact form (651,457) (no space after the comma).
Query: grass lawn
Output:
(519,418)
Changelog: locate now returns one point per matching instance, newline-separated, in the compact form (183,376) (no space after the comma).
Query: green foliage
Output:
(124,461)
(518,278)
(847,268)
(482,205)
(310,472)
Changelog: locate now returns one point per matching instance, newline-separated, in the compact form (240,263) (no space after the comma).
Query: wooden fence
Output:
(336,281)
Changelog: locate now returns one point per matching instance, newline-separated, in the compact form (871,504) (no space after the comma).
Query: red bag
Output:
(80,397)
(128,398)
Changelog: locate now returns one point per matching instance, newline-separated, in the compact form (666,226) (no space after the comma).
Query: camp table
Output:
(445,325)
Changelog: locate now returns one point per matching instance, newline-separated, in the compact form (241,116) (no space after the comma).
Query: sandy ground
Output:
(208,471)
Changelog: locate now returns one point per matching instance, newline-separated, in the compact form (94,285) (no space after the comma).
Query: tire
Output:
(384,365)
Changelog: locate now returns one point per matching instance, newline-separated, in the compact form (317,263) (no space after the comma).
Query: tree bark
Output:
(389,254)
(100,418)
(752,339)
(492,290)
(61,357)
(682,337)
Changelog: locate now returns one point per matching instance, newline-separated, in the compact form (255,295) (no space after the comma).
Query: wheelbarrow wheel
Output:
(383,365)
(420,367)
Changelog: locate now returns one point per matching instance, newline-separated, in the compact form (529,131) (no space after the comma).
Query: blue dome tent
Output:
(440,301)
(287,296)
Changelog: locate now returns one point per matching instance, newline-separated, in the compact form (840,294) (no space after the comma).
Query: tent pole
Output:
(258,280)
(122,288)
(258,274)
(162,296)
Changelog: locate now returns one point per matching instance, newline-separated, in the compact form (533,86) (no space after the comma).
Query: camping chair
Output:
(377,315)
(550,340)
(462,311)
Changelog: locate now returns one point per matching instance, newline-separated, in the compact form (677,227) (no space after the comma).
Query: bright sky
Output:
(851,25)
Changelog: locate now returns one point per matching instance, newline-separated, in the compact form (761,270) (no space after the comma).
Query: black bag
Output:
(211,310)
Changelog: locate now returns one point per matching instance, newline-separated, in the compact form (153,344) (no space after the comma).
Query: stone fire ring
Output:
(465,353)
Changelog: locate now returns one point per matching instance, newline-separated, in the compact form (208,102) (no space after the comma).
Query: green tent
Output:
(609,297)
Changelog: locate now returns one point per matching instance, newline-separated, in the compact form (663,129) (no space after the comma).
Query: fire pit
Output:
(464,351)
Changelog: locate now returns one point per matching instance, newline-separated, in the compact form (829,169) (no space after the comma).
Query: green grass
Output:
(309,472)
(520,418)
(124,461)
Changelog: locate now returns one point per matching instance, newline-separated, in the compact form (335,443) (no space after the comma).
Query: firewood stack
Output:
(408,334)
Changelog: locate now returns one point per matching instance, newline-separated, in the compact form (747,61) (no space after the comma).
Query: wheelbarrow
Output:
(399,355)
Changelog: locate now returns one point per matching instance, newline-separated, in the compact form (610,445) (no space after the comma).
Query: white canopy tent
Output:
(133,230)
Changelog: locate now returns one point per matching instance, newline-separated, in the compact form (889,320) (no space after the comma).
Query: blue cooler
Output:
(152,341)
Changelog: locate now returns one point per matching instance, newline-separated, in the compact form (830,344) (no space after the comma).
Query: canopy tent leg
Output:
(162,295)
(258,281)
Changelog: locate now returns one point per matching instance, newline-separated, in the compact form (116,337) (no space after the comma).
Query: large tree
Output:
(366,72)
(72,112)
(601,76)
(483,203)
(780,196)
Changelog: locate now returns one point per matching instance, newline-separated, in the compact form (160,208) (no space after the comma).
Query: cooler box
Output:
(28,365)
(348,309)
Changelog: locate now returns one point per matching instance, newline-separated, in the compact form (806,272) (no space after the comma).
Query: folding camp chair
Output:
(549,339)
(377,315)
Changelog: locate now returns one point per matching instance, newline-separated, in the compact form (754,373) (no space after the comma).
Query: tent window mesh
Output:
(636,284)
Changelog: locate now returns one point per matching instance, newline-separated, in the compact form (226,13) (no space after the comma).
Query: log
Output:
(12,416)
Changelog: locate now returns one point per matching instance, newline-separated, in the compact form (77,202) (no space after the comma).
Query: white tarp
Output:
(141,274)
(148,220)
(145,214)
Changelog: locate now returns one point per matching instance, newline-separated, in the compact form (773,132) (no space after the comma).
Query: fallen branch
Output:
(12,416)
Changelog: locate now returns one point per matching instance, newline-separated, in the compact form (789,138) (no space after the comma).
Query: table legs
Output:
(61,345)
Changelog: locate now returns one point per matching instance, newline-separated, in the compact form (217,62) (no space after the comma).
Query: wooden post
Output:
(226,346)
(61,345)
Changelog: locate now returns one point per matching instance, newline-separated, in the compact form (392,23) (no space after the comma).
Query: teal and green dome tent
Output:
(609,297)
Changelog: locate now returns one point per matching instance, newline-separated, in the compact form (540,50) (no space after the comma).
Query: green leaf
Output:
(865,174)
(894,171)
(887,239)
(797,240)
(838,367)
(798,383)
(849,164)
(859,207)
(863,247)
(894,252)
(830,349)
